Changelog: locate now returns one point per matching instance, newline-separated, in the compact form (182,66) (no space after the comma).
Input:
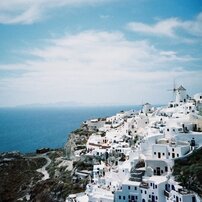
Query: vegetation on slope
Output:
(17,175)
(188,171)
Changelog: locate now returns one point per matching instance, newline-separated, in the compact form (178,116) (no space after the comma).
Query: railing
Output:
(166,193)
(144,185)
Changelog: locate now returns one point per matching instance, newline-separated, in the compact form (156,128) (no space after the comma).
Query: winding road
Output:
(43,169)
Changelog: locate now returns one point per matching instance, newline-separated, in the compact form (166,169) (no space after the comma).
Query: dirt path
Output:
(43,169)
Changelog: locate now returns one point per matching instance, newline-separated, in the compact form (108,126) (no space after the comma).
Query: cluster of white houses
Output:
(139,149)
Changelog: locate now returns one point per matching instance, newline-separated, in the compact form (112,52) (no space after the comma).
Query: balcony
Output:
(144,185)
(166,193)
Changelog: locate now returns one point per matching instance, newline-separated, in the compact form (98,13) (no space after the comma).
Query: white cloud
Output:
(94,67)
(165,27)
(169,27)
(194,27)
(30,11)
(27,16)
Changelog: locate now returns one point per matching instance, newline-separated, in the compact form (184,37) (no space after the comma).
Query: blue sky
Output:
(98,52)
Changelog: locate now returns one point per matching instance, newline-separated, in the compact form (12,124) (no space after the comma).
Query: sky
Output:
(98,52)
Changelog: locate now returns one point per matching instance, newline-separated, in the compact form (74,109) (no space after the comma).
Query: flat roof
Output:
(157,179)
(133,183)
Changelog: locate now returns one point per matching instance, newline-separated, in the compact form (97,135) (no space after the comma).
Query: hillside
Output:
(188,171)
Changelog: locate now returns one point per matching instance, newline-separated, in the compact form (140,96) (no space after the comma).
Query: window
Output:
(149,196)
(124,197)
(128,187)
(154,153)
(156,186)
(166,169)
(145,192)
(156,198)
(163,154)
(177,155)
(135,188)
(173,149)
(167,129)
(168,153)
(119,197)
(141,191)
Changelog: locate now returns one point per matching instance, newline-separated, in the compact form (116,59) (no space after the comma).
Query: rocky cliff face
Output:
(69,147)
(77,141)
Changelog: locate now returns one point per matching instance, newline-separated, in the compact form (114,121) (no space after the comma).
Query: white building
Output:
(175,193)
(147,108)
(150,189)
(98,172)
(169,149)
(141,171)
(198,100)
(130,191)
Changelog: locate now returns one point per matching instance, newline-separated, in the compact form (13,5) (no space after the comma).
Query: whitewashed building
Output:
(169,149)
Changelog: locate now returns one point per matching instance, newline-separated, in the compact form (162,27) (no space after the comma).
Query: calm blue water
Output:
(26,130)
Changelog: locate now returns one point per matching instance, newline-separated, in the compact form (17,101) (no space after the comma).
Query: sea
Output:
(28,129)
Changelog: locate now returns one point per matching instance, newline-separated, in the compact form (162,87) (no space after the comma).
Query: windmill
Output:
(173,90)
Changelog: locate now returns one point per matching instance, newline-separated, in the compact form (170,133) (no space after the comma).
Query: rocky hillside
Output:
(20,181)
(18,175)
(188,171)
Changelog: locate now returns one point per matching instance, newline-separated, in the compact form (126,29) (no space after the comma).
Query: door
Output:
(158,171)
(159,155)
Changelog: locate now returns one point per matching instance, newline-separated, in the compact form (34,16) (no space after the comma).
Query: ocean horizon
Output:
(27,129)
